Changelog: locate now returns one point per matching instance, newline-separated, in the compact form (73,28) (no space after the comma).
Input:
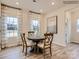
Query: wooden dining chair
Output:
(21,34)
(30,33)
(25,44)
(46,44)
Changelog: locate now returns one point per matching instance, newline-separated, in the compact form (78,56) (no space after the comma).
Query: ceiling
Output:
(43,6)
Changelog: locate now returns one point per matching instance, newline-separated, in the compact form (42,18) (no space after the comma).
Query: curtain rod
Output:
(34,12)
(10,6)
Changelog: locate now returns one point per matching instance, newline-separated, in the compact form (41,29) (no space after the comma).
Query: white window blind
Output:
(11,25)
(35,22)
(11,21)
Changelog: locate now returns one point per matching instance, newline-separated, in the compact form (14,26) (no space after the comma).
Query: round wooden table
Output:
(36,40)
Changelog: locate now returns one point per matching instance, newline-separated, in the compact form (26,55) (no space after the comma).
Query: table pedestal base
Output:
(36,49)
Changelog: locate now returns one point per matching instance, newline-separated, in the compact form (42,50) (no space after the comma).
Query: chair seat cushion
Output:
(41,45)
(30,43)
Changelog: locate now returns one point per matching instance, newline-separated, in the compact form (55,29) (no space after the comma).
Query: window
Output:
(35,22)
(78,25)
(35,25)
(11,26)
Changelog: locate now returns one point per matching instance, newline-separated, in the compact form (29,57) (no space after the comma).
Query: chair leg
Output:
(26,51)
(34,49)
(23,49)
(50,51)
(44,53)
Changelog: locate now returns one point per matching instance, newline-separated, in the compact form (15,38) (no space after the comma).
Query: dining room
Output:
(37,29)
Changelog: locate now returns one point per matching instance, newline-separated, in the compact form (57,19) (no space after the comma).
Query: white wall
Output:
(59,38)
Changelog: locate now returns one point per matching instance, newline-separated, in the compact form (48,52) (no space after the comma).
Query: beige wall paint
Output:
(59,38)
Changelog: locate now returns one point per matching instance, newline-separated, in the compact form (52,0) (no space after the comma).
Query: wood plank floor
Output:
(58,52)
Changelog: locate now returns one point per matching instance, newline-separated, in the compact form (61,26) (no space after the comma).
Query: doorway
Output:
(72,26)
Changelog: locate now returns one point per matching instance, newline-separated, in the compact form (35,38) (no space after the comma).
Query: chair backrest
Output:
(30,33)
(23,38)
(48,38)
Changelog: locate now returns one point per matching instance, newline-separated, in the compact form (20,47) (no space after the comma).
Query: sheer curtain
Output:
(10,26)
